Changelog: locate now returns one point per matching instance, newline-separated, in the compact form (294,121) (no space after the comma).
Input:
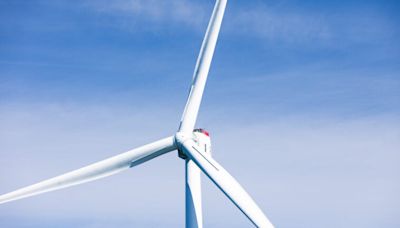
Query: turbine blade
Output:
(228,185)
(95,171)
(202,68)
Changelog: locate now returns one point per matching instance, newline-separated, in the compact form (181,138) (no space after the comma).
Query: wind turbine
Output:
(193,146)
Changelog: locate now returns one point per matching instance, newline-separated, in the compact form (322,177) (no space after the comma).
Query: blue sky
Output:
(312,86)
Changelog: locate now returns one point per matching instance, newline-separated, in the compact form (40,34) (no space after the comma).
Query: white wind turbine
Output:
(193,146)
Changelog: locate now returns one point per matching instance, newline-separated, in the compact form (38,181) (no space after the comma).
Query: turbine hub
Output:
(200,136)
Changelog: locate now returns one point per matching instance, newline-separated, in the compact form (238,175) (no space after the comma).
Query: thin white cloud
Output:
(272,24)
(184,12)
(259,20)
(288,24)
(285,24)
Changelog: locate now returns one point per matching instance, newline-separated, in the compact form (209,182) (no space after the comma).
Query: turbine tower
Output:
(193,145)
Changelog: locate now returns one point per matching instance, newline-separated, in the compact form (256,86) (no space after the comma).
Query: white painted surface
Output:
(202,68)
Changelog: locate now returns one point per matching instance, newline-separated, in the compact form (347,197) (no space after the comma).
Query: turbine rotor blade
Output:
(225,182)
(202,68)
(95,171)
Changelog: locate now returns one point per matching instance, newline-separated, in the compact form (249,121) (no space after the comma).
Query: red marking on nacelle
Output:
(202,131)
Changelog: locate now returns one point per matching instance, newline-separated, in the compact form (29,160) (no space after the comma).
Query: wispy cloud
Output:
(272,24)
(258,20)
(184,12)
(278,23)
(291,24)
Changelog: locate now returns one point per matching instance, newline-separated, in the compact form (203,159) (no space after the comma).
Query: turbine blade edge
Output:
(202,68)
(95,171)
